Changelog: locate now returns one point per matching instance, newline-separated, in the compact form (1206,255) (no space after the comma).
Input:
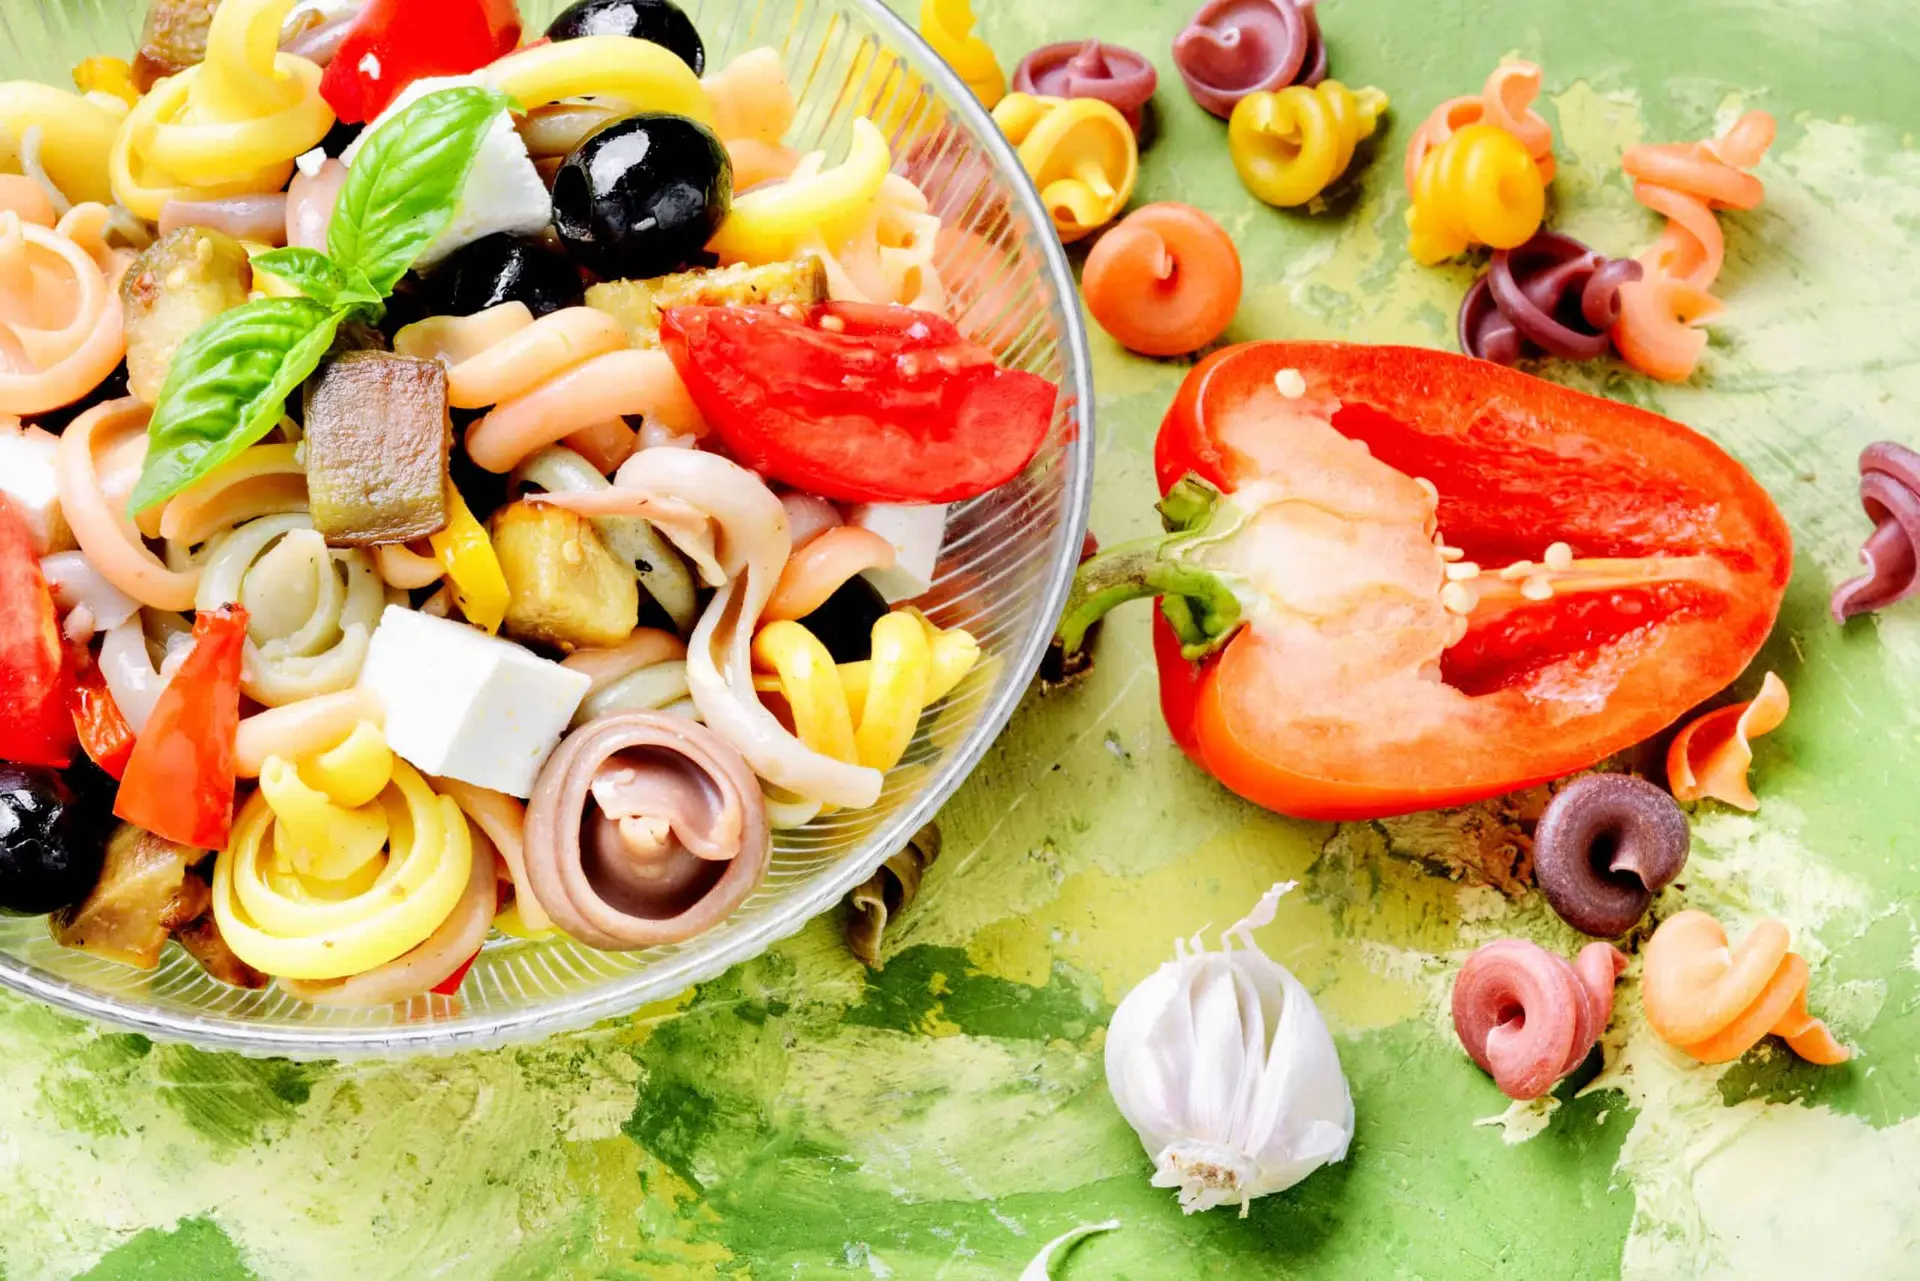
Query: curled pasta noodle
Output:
(1527,1016)
(1479,187)
(1710,757)
(724,517)
(401,566)
(503,821)
(265,480)
(819,569)
(126,663)
(73,136)
(1658,331)
(299,923)
(61,329)
(1081,153)
(229,126)
(302,729)
(645,673)
(97,514)
(865,712)
(1165,281)
(1291,145)
(751,99)
(888,255)
(1714,1002)
(769,224)
(311,608)
(1505,102)
(1890,493)
(947,25)
(27,199)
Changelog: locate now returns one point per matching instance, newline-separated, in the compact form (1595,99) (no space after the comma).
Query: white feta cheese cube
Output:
(465,705)
(27,479)
(915,532)
(503,190)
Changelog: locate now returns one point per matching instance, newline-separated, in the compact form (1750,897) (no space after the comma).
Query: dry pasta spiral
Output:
(547,379)
(1291,145)
(95,469)
(1505,102)
(887,256)
(1479,187)
(61,328)
(948,26)
(1715,1002)
(231,125)
(1080,152)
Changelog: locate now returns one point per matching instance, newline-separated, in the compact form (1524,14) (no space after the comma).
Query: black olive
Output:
(660,21)
(643,196)
(50,847)
(502,268)
(844,622)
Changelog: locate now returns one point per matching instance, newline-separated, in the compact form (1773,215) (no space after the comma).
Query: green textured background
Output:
(801,1118)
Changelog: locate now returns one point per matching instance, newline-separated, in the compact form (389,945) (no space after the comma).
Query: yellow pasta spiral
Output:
(339,864)
(864,713)
(1290,146)
(1080,152)
(1479,187)
(229,126)
(947,25)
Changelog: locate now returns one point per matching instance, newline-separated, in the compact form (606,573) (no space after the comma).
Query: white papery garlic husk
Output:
(1223,1066)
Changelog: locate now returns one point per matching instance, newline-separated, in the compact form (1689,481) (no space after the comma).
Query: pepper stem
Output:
(1200,602)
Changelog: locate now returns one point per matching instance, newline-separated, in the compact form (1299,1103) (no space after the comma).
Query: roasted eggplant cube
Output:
(378,439)
(174,39)
(141,895)
(637,304)
(565,589)
(177,284)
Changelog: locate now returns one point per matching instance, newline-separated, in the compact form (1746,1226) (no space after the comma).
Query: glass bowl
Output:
(1005,567)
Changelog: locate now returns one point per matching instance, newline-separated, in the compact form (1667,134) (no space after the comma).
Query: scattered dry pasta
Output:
(1711,756)
(1505,102)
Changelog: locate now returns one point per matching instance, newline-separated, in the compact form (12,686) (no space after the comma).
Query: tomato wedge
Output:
(34,678)
(179,781)
(859,403)
(396,42)
(104,732)
(1400,579)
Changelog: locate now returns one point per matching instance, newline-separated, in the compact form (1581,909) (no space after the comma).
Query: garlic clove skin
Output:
(1223,1066)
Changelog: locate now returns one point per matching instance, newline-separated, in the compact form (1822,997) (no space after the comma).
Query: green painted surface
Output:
(800,1118)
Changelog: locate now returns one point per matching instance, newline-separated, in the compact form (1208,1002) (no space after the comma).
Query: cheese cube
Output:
(503,191)
(465,705)
(915,532)
(27,479)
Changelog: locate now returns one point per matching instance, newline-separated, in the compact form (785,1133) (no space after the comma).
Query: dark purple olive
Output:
(502,268)
(659,21)
(844,622)
(643,196)
(50,848)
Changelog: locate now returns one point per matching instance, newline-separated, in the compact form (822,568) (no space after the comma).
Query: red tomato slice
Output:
(179,781)
(1678,563)
(396,42)
(859,403)
(34,679)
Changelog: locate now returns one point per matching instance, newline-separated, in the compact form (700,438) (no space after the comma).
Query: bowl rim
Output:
(676,975)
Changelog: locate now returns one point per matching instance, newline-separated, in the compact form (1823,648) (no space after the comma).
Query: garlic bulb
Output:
(1223,1066)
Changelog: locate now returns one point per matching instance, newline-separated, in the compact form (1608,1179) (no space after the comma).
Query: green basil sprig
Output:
(229,381)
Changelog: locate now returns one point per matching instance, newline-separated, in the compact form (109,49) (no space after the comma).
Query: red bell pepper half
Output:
(34,679)
(857,402)
(1399,579)
(104,732)
(179,782)
(396,42)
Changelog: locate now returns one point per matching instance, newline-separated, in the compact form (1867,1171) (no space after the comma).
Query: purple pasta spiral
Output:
(1890,492)
(1233,48)
(1604,847)
(1552,294)
(1090,69)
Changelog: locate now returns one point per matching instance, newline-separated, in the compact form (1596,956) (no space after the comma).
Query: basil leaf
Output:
(227,387)
(404,181)
(317,276)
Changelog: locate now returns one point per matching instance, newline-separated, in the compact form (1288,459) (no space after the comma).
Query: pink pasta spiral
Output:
(1528,1017)
(1090,69)
(1504,102)
(1686,183)
(1232,48)
(61,329)
(1890,491)
(1552,295)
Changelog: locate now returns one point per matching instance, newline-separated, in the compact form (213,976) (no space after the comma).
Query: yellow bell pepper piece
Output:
(639,73)
(1479,187)
(1080,153)
(1290,146)
(947,25)
(896,691)
(465,552)
(765,224)
(822,717)
(106,75)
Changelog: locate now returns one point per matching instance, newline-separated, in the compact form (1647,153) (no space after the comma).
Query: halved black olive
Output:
(50,846)
(502,268)
(844,622)
(643,196)
(660,21)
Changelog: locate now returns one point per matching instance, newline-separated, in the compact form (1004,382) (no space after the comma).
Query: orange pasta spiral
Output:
(61,330)
(1686,183)
(1505,103)
(569,371)
(1714,1002)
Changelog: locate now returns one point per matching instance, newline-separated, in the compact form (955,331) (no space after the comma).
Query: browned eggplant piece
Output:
(174,39)
(637,304)
(378,441)
(565,589)
(141,895)
(204,943)
(177,284)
